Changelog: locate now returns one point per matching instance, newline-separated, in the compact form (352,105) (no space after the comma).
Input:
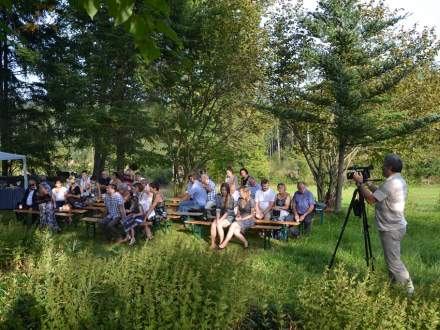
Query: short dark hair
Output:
(281,184)
(84,171)
(229,168)
(155,185)
(394,162)
(112,185)
(139,185)
(264,181)
(244,169)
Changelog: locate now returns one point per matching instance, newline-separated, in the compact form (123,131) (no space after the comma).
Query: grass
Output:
(71,281)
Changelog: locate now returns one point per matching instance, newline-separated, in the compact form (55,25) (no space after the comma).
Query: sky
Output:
(423,12)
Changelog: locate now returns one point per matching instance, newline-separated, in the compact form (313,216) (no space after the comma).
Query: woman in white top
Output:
(59,194)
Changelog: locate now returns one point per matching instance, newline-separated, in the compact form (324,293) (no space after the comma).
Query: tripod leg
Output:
(367,239)
(347,216)
(370,250)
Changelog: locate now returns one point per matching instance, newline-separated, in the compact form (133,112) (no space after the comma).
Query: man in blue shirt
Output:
(195,197)
(304,206)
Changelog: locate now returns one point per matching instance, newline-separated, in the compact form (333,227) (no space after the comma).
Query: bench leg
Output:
(266,235)
(285,233)
(321,218)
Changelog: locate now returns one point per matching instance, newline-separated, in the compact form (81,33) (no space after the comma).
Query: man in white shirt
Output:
(264,201)
(389,199)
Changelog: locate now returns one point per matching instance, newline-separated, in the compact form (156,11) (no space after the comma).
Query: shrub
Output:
(340,301)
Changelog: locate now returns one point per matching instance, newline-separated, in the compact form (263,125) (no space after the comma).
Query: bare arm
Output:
(368,195)
(122,211)
(270,207)
(365,192)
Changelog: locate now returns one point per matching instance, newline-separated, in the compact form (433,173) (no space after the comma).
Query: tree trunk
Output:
(4,104)
(120,157)
(278,143)
(99,157)
(340,179)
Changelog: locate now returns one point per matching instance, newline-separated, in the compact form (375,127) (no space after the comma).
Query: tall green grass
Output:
(69,281)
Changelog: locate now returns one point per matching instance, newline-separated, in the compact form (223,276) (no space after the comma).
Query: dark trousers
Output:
(23,217)
(307,223)
(110,228)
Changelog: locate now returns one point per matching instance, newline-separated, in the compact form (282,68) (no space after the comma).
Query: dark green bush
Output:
(340,301)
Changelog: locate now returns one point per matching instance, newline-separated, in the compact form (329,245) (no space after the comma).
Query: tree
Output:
(212,76)
(24,122)
(352,56)
(92,83)
(144,19)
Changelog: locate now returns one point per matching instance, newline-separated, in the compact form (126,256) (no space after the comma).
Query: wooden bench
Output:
(196,228)
(177,215)
(63,214)
(91,223)
(267,232)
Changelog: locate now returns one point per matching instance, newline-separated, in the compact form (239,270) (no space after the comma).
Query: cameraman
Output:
(389,199)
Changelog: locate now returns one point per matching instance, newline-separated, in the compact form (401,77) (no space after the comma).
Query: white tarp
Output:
(8,156)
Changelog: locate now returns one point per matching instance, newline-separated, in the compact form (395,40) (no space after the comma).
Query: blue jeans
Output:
(185,206)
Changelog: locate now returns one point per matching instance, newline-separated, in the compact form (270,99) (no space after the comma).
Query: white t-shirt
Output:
(29,199)
(264,198)
(59,195)
(391,197)
(236,196)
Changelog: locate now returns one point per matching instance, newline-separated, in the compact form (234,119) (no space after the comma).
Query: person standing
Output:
(303,207)
(389,199)
(249,182)
(231,179)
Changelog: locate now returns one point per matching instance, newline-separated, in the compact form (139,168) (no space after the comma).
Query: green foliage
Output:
(70,281)
(338,300)
(143,19)
(202,92)
(343,61)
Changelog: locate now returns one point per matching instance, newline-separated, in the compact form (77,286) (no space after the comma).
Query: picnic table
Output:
(64,214)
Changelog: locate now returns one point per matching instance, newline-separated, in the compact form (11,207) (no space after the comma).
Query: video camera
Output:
(365,170)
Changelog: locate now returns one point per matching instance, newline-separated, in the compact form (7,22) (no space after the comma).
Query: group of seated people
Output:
(130,205)
(129,201)
(237,207)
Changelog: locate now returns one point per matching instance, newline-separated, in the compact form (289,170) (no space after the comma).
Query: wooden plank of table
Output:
(194,214)
(277,223)
(93,208)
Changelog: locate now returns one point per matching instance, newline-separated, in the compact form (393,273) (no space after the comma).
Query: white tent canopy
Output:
(8,156)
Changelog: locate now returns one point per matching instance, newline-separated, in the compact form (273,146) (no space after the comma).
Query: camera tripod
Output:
(358,208)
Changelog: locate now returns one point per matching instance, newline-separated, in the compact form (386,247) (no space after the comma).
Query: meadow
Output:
(71,281)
